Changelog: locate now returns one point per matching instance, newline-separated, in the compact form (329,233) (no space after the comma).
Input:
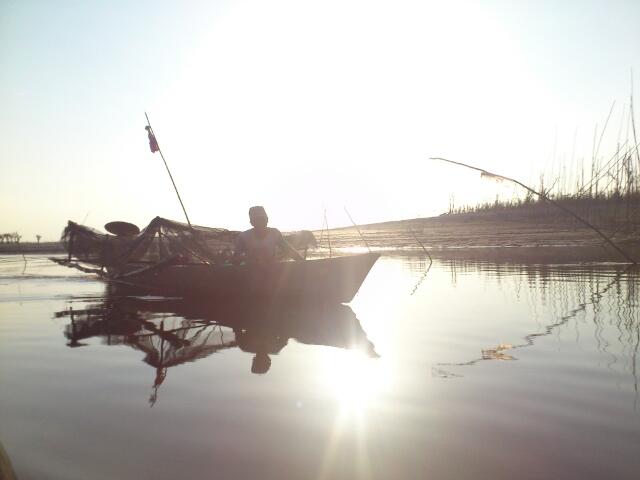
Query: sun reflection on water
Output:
(356,379)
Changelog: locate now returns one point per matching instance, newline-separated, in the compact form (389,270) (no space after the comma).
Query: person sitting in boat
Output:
(262,244)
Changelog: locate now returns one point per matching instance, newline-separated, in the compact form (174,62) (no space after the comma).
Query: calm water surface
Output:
(470,371)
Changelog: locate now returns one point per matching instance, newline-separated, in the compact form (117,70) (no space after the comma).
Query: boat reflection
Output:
(171,332)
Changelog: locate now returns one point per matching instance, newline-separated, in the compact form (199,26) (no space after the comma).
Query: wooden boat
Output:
(336,279)
(173,258)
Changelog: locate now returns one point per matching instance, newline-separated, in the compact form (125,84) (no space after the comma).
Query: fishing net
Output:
(162,240)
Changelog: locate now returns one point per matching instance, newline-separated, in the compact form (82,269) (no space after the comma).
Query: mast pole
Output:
(168,171)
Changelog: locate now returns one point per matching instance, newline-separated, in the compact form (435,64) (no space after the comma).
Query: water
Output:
(472,370)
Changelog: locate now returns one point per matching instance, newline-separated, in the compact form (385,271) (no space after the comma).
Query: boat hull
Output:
(331,279)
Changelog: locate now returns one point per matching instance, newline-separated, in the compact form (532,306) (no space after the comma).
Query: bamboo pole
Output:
(168,171)
(358,229)
(326,223)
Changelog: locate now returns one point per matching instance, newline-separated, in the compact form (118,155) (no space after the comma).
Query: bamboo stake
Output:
(326,223)
(168,171)
(420,243)
(359,232)
(544,197)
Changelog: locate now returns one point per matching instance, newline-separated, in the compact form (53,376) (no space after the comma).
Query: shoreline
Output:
(486,236)
(492,237)
(528,255)
(31,247)
(493,254)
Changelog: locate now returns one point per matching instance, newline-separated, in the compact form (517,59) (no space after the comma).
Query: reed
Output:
(604,190)
(610,195)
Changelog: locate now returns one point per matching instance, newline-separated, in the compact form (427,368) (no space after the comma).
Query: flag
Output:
(153,143)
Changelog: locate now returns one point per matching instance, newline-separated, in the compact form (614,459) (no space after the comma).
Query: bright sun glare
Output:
(355,379)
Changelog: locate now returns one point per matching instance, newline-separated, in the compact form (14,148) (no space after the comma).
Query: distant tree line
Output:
(10,237)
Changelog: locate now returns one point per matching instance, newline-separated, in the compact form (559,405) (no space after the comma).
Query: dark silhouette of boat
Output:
(179,259)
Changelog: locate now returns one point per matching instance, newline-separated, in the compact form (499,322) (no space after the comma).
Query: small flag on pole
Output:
(153,143)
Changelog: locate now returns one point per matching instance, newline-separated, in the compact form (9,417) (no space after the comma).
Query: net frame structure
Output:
(161,241)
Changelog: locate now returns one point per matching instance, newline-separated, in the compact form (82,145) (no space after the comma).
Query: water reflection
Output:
(606,295)
(171,332)
(336,414)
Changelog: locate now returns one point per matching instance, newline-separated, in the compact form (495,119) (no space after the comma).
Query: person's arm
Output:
(288,249)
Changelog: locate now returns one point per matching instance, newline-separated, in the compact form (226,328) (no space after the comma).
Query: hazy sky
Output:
(297,105)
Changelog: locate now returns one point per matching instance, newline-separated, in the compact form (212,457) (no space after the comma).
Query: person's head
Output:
(258,217)
(261,363)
